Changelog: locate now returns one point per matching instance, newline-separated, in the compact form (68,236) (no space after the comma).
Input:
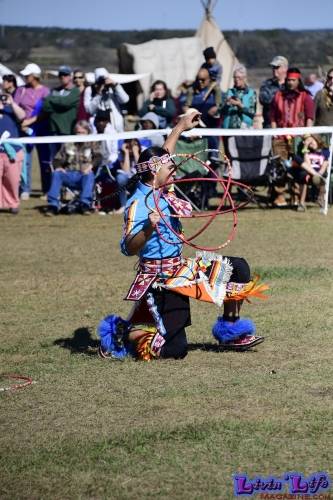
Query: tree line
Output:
(253,48)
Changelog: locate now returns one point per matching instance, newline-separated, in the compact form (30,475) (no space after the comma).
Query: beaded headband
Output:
(153,165)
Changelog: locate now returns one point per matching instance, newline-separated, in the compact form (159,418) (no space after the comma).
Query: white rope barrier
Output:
(202,132)
(138,134)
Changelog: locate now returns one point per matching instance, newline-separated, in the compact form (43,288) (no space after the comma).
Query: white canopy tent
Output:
(6,71)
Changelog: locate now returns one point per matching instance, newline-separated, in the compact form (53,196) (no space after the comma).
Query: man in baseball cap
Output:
(278,61)
(64,71)
(269,87)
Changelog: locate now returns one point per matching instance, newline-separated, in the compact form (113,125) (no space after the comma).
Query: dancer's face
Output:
(167,173)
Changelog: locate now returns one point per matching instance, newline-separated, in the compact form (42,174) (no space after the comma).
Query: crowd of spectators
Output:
(78,106)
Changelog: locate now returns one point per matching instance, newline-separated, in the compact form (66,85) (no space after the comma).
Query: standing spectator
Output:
(73,166)
(30,98)
(212,65)
(324,102)
(80,82)
(161,103)
(291,107)
(269,87)
(240,102)
(205,96)
(312,84)
(9,84)
(61,106)
(106,95)
(11,156)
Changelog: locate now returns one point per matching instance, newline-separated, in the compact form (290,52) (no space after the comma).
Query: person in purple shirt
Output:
(30,98)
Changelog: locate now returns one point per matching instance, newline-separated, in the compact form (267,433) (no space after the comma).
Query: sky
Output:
(170,14)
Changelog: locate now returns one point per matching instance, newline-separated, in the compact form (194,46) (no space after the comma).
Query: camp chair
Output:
(253,164)
(195,192)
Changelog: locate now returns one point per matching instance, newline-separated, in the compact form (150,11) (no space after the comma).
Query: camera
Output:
(3,98)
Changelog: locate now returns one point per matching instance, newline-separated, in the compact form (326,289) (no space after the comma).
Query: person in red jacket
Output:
(291,107)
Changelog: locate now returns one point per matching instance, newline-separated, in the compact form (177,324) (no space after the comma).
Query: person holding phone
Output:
(161,103)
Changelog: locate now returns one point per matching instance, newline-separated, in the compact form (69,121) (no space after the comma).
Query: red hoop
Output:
(226,184)
(27,381)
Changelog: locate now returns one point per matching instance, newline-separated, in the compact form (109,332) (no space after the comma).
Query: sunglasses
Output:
(76,77)
(275,67)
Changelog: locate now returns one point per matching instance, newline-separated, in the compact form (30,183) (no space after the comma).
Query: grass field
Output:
(99,430)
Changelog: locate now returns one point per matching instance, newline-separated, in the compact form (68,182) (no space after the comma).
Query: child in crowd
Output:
(310,167)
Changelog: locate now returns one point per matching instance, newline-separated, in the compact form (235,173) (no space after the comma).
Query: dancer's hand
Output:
(154,219)
(188,121)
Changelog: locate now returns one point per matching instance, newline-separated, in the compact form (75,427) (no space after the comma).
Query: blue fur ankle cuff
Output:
(224,331)
(112,331)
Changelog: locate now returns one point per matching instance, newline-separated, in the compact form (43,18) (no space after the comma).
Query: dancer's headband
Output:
(154,164)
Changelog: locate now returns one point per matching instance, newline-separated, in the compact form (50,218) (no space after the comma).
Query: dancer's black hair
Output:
(146,155)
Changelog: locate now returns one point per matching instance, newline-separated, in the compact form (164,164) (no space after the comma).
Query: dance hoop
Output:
(225,183)
(14,387)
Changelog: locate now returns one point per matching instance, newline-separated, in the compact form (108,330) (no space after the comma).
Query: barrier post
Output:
(328,179)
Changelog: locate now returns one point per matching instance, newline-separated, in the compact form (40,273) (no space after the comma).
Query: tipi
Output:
(211,36)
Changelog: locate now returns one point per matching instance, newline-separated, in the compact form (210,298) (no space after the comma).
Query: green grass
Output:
(94,429)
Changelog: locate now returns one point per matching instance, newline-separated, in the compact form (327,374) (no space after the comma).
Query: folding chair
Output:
(253,164)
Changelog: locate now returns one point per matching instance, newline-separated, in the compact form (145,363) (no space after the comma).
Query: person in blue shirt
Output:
(166,280)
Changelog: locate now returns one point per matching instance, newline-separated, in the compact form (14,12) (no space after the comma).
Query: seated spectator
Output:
(312,84)
(73,168)
(268,89)
(324,102)
(109,148)
(161,103)
(9,84)
(11,156)
(128,158)
(150,122)
(212,65)
(310,167)
(30,97)
(106,95)
(61,106)
(240,102)
(79,81)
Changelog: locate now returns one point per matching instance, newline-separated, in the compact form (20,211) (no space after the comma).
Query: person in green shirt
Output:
(61,106)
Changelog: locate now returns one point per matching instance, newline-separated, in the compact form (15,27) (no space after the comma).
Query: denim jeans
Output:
(43,151)
(74,180)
